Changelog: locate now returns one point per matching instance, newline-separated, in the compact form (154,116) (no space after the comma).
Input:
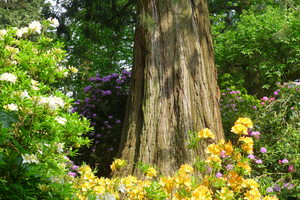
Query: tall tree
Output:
(174,87)
(20,12)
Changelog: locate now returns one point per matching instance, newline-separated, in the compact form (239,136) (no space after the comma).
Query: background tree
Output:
(174,87)
(257,45)
(20,12)
(98,34)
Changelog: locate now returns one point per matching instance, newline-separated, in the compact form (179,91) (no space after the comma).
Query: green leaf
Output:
(7,118)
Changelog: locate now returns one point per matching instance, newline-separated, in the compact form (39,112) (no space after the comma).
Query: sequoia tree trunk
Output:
(174,86)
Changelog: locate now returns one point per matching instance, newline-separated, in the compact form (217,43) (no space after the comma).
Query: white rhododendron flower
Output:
(34,84)
(20,32)
(53,102)
(24,95)
(30,158)
(35,26)
(60,147)
(12,50)
(8,77)
(3,32)
(11,107)
(53,21)
(61,120)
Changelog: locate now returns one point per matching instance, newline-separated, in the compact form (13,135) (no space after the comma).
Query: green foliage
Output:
(38,133)
(261,47)
(7,118)
(20,12)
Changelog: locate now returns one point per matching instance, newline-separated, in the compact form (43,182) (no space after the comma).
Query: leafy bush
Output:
(235,102)
(38,132)
(104,103)
(279,120)
(260,48)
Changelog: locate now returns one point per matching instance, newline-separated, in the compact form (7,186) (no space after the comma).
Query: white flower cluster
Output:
(8,77)
(61,120)
(34,84)
(12,50)
(53,21)
(11,107)
(35,26)
(53,102)
(20,32)
(30,158)
(2,33)
(60,147)
(24,95)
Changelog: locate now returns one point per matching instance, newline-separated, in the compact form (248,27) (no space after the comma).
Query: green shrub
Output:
(38,132)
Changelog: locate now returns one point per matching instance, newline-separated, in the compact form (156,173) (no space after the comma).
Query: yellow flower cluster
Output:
(241,126)
(205,133)
(232,183)
(118,163)
(247,145)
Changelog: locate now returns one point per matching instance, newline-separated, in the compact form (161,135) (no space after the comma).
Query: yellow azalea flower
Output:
(185,169)
(245,166)
(225,194)
(228,148)
(245,121)
(213,149)
(84,169)
(205,133)
(250,183)
(252,194)
(118,163)
(247,146)
(239,129)
(213,158)
(168,183)
(234,179)
(270,198)
(201,193)
(151,172)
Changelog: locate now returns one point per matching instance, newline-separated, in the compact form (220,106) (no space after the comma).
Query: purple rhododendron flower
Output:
(288,186)
(72,174)
(284,161)
(255,133)
(87,88)
(229,167)
(251,156)
(269,189)
(75,167)
(263,150)
(219,175)
(259,161)
(291,168)
(276,93)
(265,98)
(277,188)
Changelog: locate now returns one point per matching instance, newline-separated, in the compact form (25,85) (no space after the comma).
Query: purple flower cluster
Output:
(103,103)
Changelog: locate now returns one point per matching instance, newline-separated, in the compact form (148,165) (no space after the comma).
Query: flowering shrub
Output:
(37,130)
(278,148)
(104,102)
(227,175)
(234,103)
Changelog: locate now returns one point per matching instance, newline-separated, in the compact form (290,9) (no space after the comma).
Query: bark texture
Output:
(174,85)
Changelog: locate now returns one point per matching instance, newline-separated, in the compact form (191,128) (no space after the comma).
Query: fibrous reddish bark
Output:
(174,85)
